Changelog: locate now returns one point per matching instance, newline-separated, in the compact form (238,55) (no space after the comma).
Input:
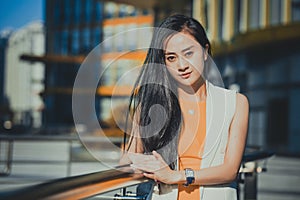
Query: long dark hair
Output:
(159,130)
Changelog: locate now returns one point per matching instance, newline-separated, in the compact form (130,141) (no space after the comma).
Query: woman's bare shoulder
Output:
(242,101)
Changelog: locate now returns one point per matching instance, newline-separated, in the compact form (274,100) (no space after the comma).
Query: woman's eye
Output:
(189,53)
(171,58)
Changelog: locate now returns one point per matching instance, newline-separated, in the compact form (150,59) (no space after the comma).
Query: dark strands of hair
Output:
(155,85)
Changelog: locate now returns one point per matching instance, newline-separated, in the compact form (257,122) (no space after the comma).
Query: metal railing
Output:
(77,187)
(94,184)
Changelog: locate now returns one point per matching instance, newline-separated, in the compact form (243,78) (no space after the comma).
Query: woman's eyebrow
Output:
(166,52)
(169,53)
(186,49)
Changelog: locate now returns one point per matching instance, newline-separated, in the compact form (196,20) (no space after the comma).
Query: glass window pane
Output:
(275,12)
(77,5)
(254,14)
(88,12)
(86,40)
(67,11)
(57,41)
(75,42)
(237,16)
(96,36)
(99,11)
(296,10)
(57,11)
(64,42)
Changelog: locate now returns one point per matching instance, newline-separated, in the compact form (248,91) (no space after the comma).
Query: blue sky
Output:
(17,13)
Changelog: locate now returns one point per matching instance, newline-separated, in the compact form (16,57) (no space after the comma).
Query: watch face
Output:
(189,173)
(190,177)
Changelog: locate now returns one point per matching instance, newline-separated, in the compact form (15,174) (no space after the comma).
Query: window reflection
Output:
(275,12)
(98,11)
(64,42)
(296,10)
(57,11)
(88,8)
(75,42)
(97,36)
(77,5)
(67,12)
(86,39)
(254,14)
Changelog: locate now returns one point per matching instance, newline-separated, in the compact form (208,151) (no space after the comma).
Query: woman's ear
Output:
(206,52)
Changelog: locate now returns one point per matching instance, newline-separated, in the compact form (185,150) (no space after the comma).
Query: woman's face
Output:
(184,58)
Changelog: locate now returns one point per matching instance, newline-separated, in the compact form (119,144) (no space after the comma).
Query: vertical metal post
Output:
(70,157)
(9,158)
(250,185)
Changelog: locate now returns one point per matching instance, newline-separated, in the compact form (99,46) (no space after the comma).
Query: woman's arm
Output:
(213,175)
(235,149)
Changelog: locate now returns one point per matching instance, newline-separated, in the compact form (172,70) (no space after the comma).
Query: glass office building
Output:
(73,30)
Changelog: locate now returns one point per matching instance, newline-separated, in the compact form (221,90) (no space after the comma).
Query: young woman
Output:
(187,134)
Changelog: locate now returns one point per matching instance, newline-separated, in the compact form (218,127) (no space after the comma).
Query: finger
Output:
(137,171)
(157,155)
(137,157)
(142,168)
(148,160)
(160,158)
(151,163)
(148,175)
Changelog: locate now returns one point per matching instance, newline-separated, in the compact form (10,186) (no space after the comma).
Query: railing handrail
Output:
(83,186)
(256,155)
(77,187)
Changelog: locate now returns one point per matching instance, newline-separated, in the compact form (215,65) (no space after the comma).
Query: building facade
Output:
(73,28)
(24,80)
(4,36)
(255,48)
(5,111)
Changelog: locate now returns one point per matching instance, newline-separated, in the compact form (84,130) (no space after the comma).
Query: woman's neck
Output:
(197,92)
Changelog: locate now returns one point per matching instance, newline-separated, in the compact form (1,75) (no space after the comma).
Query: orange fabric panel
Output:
(191,144)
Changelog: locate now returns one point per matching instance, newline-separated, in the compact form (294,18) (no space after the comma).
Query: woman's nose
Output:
(183,64)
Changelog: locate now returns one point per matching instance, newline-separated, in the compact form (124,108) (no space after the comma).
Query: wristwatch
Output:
(190,176)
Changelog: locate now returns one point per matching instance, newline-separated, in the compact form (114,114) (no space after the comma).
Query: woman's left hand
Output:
(154,167)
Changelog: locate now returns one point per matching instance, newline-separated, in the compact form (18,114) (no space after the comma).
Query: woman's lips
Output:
(186,75)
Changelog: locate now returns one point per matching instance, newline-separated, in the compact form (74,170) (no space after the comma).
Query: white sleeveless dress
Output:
(220,108)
